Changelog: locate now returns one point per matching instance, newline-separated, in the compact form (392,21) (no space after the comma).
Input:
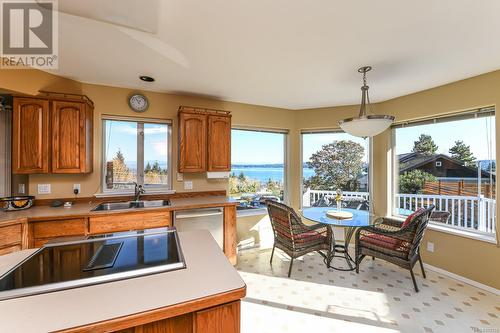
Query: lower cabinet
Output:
(219,319)
(129,221)
(43,231)
(12,237)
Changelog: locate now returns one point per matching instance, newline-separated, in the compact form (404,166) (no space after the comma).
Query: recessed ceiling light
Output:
(146,78)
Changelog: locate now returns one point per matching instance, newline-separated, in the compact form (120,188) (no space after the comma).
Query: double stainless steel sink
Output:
(131,205)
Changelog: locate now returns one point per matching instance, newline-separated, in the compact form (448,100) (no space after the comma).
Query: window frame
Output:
(334,131)
(140,121)
(286,161)
(393,173)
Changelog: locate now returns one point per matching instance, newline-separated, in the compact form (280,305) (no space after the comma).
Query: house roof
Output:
(411,161)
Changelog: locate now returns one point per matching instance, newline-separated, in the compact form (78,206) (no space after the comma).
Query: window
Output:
(333,161)
(136,151)
(448,162)
(258,170)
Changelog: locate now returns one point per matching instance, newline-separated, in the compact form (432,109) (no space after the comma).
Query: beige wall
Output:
(113,101)
(470,258)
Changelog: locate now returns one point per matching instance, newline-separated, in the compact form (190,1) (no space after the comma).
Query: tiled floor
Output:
(380,299)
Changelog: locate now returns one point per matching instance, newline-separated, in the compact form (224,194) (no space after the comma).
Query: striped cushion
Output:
(380,242)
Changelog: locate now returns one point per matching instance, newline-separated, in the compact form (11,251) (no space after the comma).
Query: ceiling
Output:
(283,53)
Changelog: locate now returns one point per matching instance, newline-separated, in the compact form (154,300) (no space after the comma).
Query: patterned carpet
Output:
(380,299)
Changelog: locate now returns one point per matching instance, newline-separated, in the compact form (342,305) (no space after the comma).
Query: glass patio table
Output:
(360,219)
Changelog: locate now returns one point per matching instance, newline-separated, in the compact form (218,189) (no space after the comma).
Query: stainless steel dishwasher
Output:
(211,219)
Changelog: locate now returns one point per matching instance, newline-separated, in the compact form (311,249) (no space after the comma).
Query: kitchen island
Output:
(203,297)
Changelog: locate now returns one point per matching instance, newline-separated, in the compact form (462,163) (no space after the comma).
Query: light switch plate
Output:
(21,188)
(43,188)
(430,246)
(180,176)
(188,185)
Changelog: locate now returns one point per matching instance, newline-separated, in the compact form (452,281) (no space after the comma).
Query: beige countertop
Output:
(208,273)
(84,209)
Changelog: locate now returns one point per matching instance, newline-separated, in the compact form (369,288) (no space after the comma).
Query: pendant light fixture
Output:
(366,125)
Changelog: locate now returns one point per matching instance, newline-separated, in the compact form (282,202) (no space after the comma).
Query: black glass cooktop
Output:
(97,259)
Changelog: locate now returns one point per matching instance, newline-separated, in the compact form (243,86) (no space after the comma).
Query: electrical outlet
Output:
(21,188)
(77,187)
(180,176)
(430,246)
(43,188)
(188,185)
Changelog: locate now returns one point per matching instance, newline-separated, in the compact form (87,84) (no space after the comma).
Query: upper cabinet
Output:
(30,136)
(71,137)
(204,140)
(192,142)
(219,143)
(52,135)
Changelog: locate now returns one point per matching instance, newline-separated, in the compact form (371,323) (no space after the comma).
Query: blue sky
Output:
(250,147)
(123,135)
(473,132)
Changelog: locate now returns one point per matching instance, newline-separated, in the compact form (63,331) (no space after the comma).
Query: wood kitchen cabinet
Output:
(12,236)
(128,221)
(219,143)
(41,232)
(192,142)
(52,134)
(71,137)
(30,136)
(204,140)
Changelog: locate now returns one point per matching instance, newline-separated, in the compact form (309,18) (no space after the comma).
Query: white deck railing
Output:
(312,196)
(468,212)
(476,213)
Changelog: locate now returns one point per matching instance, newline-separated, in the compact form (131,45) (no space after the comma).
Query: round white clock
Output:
(138,102)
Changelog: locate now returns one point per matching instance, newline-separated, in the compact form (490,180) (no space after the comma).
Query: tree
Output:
(121,172)
(156,167)
(425,145)
(148,168)
(412,182)
(461,152)
(338,165)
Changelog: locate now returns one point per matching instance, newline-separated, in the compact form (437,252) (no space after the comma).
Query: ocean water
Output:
(263,173)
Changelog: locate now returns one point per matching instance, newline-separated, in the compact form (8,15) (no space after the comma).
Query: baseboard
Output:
(463,279)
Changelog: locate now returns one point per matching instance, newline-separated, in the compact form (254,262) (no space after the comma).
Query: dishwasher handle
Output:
(198,213)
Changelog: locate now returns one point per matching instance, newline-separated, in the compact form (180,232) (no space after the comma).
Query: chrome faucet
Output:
(138,190)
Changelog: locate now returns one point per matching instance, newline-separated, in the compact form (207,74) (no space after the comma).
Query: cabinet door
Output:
(192,142)
(220,319)
(129,221)
(219,143)
(70,135)
(30,136)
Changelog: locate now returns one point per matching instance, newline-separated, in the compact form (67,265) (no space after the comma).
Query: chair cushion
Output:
(411,217)
(309,236)
(382,243)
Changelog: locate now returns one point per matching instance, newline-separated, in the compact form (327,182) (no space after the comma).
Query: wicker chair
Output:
(294,237)
(393,242)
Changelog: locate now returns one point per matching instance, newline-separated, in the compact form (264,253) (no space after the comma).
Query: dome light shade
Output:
(366,125)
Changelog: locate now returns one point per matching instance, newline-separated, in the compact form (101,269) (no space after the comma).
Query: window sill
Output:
(489,238)
(125,194)
(251,212)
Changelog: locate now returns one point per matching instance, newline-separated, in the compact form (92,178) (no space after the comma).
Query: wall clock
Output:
(138,102)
